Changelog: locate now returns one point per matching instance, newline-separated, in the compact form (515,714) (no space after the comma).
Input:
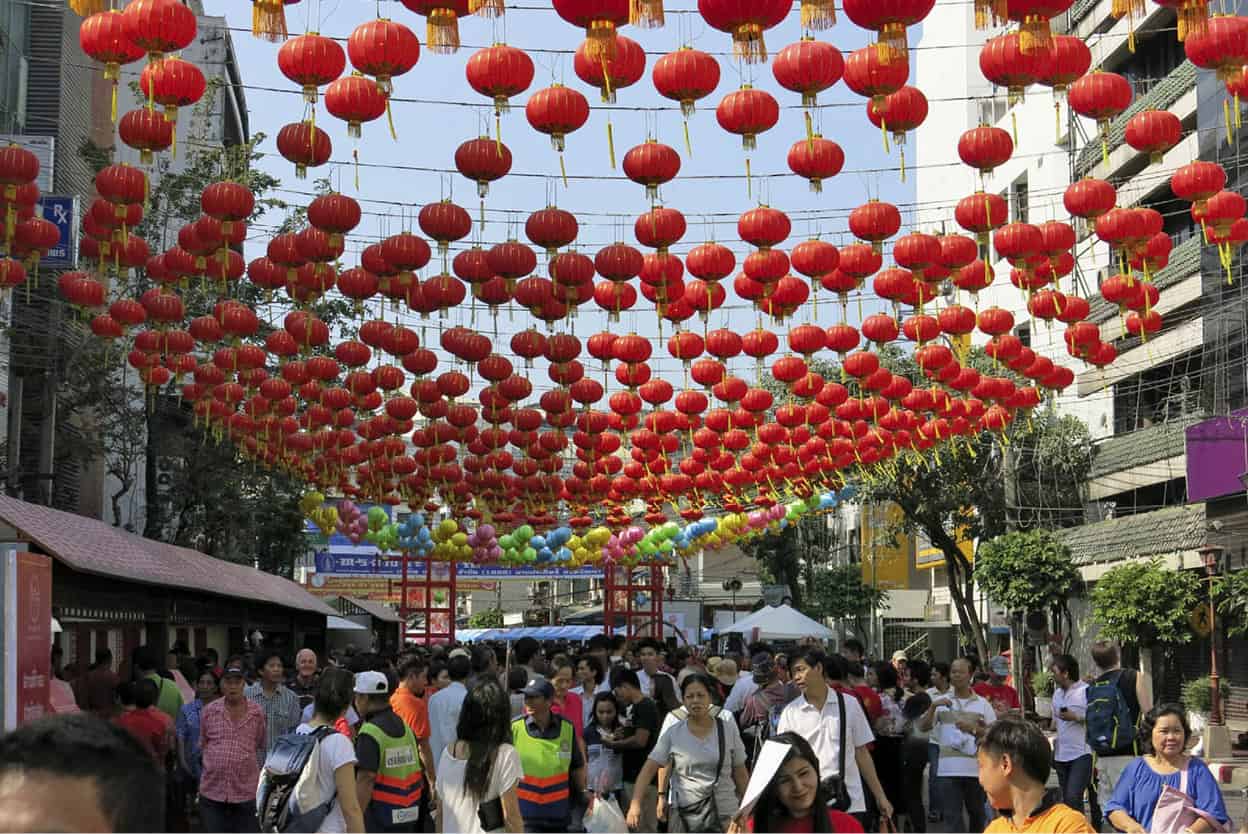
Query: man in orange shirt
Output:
(408,703)
(1013,768)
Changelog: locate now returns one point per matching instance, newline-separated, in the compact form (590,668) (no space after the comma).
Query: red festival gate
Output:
(432,595)
(636,596)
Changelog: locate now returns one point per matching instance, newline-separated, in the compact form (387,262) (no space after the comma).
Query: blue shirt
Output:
(188,732)
(1139,788)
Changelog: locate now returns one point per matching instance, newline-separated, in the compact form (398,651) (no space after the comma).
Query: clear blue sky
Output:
(428,135)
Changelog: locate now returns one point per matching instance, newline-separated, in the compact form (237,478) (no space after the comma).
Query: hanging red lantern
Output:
(1153,132)
(710,262)
(1221,46)
(600,19)
(614,297)
(445,222)
(686,76)
(304,144)
(748,112)
(659,228)
(172,83)
(764,227)
(651,164)
(917,252)
(816,159)
(551,228)
(814,258)
(610,74)
(889,21)
(1089,198)
(618,262)
(147,131)
(105,37)
(511,260)
(500,72)
(383,49)
(159,26)
(875,221)
(18,167)
(1197,181)
(1101,96)
(311,61)
(984,148)
(355,99)
(1070,60)
(441,22)
(898,113)
(808,67)
(1004,62)
(557,111)
(483,160)
(870,77)
(746,21)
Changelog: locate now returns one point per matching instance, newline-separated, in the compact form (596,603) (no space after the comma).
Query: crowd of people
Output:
(546,738)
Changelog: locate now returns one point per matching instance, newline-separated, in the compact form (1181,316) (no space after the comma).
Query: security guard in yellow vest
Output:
(388,775)
(550,758)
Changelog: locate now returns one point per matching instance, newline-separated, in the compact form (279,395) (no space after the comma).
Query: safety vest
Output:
(543,789)
(399,784)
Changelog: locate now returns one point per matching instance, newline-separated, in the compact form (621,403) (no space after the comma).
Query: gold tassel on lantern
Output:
(601,46)
(268,20)
(646,14)
(891,46)
(86,8)
(1035,35)
(442,31)
(990,13)
(1193,17)
(486,8)
(1127,8)
(818,14)
(748,44)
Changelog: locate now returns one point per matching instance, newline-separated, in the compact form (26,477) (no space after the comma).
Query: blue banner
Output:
(365,562)
(62,212)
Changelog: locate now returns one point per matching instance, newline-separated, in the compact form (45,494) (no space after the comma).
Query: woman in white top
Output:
(478,774)
(336,759)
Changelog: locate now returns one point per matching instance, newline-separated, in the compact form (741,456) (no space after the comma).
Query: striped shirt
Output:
(281,713)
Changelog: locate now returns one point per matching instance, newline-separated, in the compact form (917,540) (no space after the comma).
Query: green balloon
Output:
(524,532)
(505,542)
(377,518)
(530,555)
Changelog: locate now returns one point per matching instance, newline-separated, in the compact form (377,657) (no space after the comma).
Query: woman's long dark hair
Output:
(770,812)
(593,713)
(886,680)
(484,725)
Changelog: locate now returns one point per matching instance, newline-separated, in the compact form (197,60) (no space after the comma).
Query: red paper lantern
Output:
(600,19)
(764,227)
(1154,132)
(1221,45)
(651,164)
(1069,60)
(104,37)
(747,113)
(659,228)
(445,222)
(1198,181)
(311,61)
(871,77)
(551,228)
(1006,63)
(888,19)
(899,112)
(686,76)
(746,21)
(875,222)
(147,131)
(985,148)
(483,160)
(336,214)
(1089,198)
(229,202)
(355,99)
(304,144)
(500,72)
(383,49)
(808,67)
(1101,96)
(710,262)
(610,74)
(816,159)
(441,22)
(557,111)
(511,260)
(159,26)
(172,83)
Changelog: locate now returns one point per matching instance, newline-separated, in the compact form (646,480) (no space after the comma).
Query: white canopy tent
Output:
(780,622)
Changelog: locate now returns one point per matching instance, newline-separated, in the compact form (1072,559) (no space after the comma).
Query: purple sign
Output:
(1217,455)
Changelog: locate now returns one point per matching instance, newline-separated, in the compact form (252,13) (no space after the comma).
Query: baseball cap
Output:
(539,688)
(371,683)
(460,652)
(899,655)
(234,671)
(999,665)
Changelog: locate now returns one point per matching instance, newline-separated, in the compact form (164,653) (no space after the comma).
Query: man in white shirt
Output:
(445,704)
(655,683)
(958,721)
(1072,757)
(816,716)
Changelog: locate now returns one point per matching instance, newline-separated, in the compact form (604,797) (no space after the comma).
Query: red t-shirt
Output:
(839,820)
(151,727)
(871,703)
(1001,697)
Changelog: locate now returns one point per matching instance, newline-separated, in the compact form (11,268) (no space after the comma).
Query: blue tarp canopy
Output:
(538,633)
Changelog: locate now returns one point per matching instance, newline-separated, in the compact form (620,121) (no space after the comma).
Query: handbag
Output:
(703,815)
(1176,812)
(835,785)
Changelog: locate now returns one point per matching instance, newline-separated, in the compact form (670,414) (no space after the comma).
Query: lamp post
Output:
(1211,556)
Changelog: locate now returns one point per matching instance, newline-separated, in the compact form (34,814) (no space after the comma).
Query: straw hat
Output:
(726,672)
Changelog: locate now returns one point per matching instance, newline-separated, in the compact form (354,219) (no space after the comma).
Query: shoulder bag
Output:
(835,786)
(1175,810)
(703,816)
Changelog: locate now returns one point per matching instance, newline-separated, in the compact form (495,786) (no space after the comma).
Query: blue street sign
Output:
(62,211)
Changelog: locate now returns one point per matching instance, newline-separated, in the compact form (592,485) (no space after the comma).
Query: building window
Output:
(1018,200)
(1023,332)
(992,109)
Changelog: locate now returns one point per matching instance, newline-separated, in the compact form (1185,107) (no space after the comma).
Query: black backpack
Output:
(1110,722)
(283,770)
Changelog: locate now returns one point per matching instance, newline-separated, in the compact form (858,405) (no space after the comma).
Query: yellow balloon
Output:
(460,539)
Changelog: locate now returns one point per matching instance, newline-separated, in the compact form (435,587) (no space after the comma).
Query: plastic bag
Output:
(605,817)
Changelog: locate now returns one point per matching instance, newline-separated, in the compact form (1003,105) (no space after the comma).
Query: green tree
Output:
(489,618)
(838,592)
(1232,594)
(1145,603)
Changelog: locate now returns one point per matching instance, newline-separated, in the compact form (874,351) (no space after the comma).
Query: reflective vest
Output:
(543,789)
(399,784)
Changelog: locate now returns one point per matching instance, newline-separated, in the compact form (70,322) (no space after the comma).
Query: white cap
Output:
(371,683)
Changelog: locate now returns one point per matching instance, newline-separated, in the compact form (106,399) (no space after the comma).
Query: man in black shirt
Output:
(635,740)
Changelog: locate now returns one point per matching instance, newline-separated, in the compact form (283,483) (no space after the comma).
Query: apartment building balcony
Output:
(1163,347)
(1176,93)
(1132,460)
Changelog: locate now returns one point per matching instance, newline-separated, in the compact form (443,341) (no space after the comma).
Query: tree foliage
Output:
(838,592)
(1026,571)
(1233,602)
(1143,603)
(489,618)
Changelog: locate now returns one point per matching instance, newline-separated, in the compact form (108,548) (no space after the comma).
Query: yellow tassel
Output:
(390,120)
(749,180)
(113,109)
(884,134)
(355,154)
(1057,121)
(810,130)
(563,171)
(1104,147)
(611,143)
(1226,119)
(903,163)
(1014,125)
(688,144)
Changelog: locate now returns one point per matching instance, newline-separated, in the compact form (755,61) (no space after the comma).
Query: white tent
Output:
(779,623)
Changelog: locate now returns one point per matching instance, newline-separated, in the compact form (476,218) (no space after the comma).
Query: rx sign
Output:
(62,211)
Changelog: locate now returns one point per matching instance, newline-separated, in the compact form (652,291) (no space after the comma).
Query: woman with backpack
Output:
(479,772)
(335,756)
(705,761)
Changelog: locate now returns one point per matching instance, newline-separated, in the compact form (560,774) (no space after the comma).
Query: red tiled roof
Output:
(91,546)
